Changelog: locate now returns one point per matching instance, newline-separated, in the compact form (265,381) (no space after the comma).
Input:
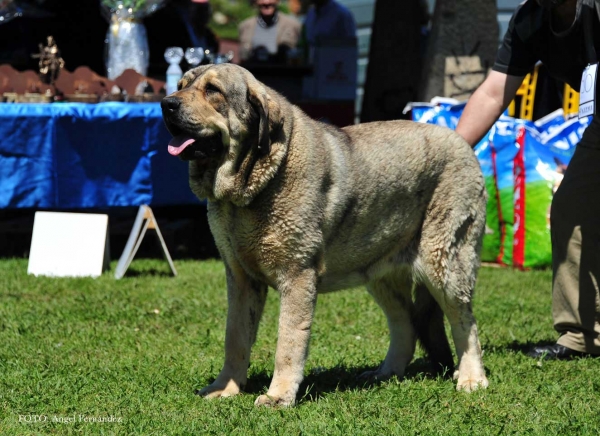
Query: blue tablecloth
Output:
(76,155)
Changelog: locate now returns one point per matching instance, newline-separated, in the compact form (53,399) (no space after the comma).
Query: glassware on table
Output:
(223,58)
(209,57)
(194,55)
(126,43)
(173,56)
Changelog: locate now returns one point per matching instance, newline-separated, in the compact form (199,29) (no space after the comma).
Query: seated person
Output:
(269,35)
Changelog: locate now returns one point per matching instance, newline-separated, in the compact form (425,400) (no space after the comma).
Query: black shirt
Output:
(530,38)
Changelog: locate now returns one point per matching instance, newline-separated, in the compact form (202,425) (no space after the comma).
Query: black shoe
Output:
(555,351)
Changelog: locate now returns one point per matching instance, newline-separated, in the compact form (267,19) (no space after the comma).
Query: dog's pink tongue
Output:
(179,143)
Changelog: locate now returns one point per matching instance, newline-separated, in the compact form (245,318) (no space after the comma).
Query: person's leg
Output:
(575,301)
(575,229)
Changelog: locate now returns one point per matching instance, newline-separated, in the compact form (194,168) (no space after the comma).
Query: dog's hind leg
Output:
(428,320)
(393,294)
(246,299)
(471,374)
(448,262)
(456,304)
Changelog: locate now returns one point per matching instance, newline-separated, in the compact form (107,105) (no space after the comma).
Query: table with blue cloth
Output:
(77,155)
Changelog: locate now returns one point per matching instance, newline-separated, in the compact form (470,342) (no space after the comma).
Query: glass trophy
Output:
(173,56)
(194,55)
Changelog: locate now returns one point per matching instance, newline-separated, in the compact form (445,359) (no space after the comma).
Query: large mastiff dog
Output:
(308,208)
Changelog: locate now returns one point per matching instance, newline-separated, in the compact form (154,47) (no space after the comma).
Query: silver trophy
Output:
(194,55)
(173,56)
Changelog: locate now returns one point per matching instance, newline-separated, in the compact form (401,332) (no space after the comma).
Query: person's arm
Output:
(487,104)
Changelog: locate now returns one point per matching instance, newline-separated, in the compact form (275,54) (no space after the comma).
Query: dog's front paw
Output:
(274,401)
(471,384)
(219,390)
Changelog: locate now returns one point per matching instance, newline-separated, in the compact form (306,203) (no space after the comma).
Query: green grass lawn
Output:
(138,348)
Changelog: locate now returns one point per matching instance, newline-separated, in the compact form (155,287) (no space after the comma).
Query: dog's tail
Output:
(428,321)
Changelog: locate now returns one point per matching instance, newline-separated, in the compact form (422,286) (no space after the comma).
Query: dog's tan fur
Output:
(306,208)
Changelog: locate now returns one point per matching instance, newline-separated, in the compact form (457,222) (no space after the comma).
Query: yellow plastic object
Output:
(527,93)
(570,101)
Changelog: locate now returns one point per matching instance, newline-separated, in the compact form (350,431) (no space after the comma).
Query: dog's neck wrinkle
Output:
(254,173)
(247,144)
(241,178)
(248,159)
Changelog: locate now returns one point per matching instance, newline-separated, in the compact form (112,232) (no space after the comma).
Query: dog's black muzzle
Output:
(170,105)
(171,114)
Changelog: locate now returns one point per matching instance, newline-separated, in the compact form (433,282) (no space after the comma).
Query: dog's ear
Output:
(269,114)
(248,169)
(259,102)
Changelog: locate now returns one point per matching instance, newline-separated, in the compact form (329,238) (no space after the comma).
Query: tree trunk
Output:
(462,47)
(394,59)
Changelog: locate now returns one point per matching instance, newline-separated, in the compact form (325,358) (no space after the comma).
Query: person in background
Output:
(328,19)
(557,33)
(269,35)
(180,23)
(196,15)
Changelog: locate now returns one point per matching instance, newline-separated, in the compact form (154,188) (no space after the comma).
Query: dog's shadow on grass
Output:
(320,381)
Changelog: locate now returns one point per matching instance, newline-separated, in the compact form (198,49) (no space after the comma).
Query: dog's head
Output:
(229,126)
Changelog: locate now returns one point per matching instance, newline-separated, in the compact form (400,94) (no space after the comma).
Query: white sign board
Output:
(69,244)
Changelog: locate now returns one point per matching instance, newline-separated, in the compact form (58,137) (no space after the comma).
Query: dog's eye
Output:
(211,90)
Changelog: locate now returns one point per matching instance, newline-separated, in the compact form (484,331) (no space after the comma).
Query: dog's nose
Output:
(170,104)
